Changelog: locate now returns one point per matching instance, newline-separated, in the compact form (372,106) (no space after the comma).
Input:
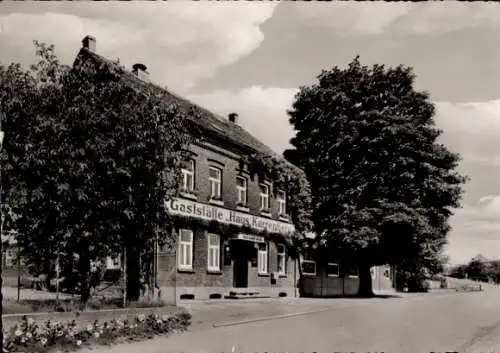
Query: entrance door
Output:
(239,248)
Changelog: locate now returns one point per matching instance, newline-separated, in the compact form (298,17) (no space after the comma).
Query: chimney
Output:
(141,71)
(89,43)
(233,117)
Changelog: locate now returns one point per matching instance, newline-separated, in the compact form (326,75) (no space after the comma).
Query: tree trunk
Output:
(365,282)
(133,275)
(84,269)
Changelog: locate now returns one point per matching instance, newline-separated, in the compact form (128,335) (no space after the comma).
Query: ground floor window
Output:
(262,258)
(281,258)
(213,252)
(353,272)
(332,269)
(308,263)
(185,250)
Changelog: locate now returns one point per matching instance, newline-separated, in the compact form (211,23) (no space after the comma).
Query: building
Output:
(231,226)
(323,276)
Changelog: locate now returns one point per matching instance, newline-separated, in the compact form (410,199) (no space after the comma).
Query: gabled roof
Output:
(208,121)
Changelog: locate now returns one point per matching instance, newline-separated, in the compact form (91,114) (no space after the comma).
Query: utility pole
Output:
(1,239)
(124,276)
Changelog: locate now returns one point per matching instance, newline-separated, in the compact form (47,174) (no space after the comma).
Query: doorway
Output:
(239,249)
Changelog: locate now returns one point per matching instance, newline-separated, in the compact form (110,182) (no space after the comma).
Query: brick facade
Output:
(176,283)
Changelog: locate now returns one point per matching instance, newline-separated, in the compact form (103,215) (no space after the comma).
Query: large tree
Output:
(88,162)
(383,186)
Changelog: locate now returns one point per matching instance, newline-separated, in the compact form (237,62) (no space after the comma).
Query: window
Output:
(281,203)
(332,269)
(213,252)
(185,253)
(241,188)
(308,264)
(215,178)
(387,273)
(188,176)
(262,259)
(281,259)
(353,272)
(264,197)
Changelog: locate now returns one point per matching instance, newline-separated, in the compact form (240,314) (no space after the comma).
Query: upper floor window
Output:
(215,179)
(281,203)
(188,176)
(241,189)
(264,197)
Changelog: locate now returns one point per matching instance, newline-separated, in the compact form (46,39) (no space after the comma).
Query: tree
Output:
(477,270)
(89,161)
(382,186)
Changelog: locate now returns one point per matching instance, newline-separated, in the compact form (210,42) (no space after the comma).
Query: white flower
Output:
(141,317)
(159,321)
(30,321)
(29,335)
(89,328)
(43,341)
(23,340)
(96,334)
(60,333)
(78,342)
(18,332)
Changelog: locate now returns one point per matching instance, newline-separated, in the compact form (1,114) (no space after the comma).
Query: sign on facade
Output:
(251,237)
(177,206)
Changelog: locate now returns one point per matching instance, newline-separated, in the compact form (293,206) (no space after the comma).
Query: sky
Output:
(251,58)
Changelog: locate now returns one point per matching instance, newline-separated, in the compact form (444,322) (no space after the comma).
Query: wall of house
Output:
(174,283)
(322,285)
(382,278)
(203,285)
(228,161)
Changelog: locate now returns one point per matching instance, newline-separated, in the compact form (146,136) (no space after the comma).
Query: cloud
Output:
(349,18)
(446,17)
(472,129)
(378,17)
(180,43)
(262,111)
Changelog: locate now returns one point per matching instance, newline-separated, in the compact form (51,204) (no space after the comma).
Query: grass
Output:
(26,306)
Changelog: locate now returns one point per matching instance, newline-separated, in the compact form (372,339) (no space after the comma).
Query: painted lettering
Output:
(187,207)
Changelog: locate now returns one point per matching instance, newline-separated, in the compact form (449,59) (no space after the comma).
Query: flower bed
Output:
(28,336)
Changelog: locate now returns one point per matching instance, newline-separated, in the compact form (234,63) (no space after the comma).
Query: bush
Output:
(28,337)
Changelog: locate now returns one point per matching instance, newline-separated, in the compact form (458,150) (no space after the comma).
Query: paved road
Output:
(465,322)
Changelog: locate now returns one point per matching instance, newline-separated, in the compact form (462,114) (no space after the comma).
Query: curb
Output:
(79,313)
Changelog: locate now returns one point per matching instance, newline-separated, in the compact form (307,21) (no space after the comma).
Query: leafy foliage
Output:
(28,336)
(382,185)
(89,161)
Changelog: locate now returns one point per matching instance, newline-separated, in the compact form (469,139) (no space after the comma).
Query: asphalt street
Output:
(464,322)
